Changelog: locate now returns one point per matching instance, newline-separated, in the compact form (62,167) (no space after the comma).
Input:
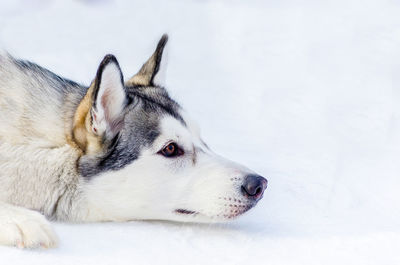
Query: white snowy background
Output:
(307,93)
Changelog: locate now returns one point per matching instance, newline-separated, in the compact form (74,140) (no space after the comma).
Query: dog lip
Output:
(184,211)
(238,211)
(235,210)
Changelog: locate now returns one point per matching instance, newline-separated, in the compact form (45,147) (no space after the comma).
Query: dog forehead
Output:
(172,127)
(185,130)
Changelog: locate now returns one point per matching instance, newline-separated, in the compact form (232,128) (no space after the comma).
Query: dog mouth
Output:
(231,211)
(185,212)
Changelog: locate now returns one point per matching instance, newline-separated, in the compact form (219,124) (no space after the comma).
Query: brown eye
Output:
(171,150)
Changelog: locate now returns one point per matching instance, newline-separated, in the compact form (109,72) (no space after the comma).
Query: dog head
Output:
(144,157)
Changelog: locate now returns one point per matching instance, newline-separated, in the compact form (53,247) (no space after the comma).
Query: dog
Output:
(114,151)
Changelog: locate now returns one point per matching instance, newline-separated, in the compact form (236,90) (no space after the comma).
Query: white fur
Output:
(153,187)
(25,228)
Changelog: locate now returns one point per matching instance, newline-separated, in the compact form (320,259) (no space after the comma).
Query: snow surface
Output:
(307,93)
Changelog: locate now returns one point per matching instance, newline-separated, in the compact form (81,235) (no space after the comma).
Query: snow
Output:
(307,93)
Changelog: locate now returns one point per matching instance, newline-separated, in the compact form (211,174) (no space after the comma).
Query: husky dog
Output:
(115,151)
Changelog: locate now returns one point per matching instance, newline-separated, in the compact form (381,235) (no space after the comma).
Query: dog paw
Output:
(25,229)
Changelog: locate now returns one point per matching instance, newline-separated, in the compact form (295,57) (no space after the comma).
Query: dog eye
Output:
(171,150)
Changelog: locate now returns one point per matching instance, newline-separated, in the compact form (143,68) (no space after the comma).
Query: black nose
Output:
(253,186)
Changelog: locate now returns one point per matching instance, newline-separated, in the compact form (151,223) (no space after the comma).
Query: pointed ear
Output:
(153,71)
(99,116)
(109,97)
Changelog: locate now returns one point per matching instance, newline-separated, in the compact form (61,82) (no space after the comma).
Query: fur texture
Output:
(83,154)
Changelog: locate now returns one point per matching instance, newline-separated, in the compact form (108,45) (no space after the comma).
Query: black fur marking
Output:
(184,211)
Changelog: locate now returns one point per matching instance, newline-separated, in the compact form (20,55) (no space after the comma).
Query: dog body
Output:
(114,151)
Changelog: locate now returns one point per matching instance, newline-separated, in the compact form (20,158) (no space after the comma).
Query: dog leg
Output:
(25,228)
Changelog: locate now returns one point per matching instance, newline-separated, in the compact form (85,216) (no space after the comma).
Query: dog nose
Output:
(253,186)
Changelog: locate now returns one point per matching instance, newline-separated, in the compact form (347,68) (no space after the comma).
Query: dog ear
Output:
(153,71)
(99,116)
(108,98)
